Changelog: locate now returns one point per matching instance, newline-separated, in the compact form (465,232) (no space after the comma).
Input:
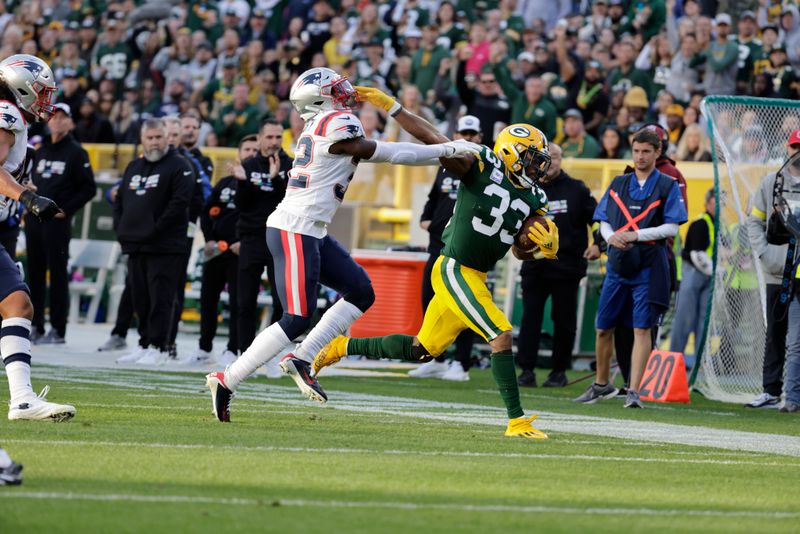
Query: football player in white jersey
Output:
(27,88)
(326,155)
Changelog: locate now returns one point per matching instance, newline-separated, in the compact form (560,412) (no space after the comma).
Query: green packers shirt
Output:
(488,213)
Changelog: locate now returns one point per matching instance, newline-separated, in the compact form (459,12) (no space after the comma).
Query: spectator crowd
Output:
(588,73)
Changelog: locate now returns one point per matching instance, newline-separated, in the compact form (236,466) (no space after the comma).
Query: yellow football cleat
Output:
(330,354)
(521,426)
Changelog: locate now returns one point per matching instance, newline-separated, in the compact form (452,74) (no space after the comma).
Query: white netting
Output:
(749,137)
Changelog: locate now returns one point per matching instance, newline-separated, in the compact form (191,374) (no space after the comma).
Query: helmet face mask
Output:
(343,94)
(523,149)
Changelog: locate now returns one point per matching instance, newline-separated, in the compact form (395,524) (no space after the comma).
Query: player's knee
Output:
(294,325)
(501,343)
(17,304)
(362,298)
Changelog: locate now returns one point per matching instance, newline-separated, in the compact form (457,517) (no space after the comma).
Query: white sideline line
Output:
(395,452)
(447,412)
(238,501)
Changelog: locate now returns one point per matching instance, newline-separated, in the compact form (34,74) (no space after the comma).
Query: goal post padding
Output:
(748,139)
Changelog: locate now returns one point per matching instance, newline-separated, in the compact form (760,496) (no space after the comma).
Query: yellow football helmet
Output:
(523,149)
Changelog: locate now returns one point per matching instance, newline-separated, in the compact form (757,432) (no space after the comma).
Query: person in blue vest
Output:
(637,214)
(696,269)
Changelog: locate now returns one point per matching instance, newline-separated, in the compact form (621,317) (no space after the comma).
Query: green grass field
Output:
(144,454)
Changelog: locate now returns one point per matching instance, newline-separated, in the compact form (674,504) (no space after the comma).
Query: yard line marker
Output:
(399,452)
(240,501)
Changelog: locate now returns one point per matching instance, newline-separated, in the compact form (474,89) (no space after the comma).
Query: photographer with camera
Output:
(770,241)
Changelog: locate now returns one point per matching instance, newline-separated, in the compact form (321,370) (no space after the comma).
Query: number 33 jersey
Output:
(488,214)
(318,179)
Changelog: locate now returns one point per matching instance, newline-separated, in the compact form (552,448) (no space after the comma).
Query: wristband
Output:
(395,109)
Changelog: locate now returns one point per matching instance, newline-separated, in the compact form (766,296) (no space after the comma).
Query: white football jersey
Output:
(11,118)
(318,179)
(18,163)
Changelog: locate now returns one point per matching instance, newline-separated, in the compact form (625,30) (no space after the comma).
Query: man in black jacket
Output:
(571,206)
(200,192)
(435,216)
(218,221)
(61,171)
(259,190)
(151,215)
(484,101)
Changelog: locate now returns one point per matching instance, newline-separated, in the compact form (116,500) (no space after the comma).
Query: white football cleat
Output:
(38,409)
(456,372)
(154,356)
(134,356)
(226,358)
(431,369)
(200,357)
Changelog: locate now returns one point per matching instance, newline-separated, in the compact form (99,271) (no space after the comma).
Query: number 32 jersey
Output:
(318,179)
(488,214)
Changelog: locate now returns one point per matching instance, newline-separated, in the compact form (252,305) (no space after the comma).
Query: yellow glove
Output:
(377,98)
(545,238)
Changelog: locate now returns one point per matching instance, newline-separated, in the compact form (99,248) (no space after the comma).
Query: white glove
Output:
(457,148)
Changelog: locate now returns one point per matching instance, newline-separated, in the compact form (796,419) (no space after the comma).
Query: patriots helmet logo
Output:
(311,78)
(32,66)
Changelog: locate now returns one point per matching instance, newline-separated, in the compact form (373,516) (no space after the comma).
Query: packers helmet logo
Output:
(519,131)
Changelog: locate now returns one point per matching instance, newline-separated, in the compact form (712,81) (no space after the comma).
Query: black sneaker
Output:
(527,379)
(555,380)
(50,338)
(11,475)
(623,391)
(596,392)
(220,396)
(300,371)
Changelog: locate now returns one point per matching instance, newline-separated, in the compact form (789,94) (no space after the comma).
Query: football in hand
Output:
(521,240)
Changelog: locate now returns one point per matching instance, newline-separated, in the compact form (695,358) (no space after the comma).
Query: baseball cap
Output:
(636,97)
(747,14)
(778,48)
(794,139)
(468,123)
(88,22)
(594,64)
(205,44)
(723,18)
(675,109)
(413,33)
(230,63)
(772,27)
(573,113)
(258,13)
(615,2)
(69,72)
(61,106)
(73,25)
(230,12)
(526,56)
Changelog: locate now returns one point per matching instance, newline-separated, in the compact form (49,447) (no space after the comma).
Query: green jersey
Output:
(488,213)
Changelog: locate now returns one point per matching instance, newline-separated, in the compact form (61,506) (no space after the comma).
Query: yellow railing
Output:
(388,186)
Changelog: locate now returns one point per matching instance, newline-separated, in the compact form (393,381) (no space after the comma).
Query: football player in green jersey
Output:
(498,192)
